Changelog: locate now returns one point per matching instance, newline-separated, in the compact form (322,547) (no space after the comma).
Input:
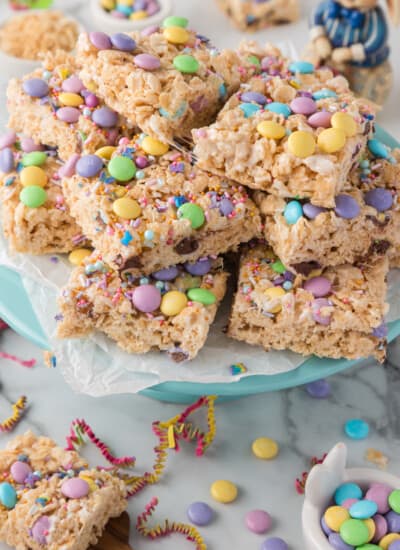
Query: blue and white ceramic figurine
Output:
(352,37)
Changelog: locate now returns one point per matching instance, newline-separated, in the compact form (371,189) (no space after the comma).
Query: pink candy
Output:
(75,488)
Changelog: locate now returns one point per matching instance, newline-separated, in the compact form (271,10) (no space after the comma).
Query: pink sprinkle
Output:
(29,363)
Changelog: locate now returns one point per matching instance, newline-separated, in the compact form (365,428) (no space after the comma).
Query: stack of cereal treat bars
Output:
(284,167)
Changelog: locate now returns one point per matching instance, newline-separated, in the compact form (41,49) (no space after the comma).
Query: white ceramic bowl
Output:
(321,484)
(105,22)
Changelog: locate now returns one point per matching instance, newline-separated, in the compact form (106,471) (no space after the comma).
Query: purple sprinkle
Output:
(380,331)
(319,389)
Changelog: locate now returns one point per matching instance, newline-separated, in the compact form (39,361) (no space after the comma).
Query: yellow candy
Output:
(33,175)
(271,130)
(176,35)
(70,100)
(345,122)
(127,3)
(301,144)
(173,303)
(126,208)
(387,540)
(105,152)
(371,528)
(274,293)
(331,140)
(223,491)
(335,516)
(108,4)
(265,448)
(154,147)
(77,256)
(136,15)
(90,481)
(63,72)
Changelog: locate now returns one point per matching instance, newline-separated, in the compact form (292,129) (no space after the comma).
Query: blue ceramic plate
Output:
(16,310)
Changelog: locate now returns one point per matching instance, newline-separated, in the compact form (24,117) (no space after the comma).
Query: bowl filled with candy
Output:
(350,508)
(128,15)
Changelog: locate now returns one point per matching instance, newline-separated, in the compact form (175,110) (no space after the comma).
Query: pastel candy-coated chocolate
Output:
(379,493)
(303,106)
(395,545)
(256,97)
(175,21)
(378,149)
(33,175)
(321,119)
(356,428)
(337,542)
(91,100)
(148,31)
(202,295)
(344,122)
(265,448)
(40,528)
(346,207)
(8,139)
(348,503)
(381,527)
(33,196)
(274,543)
(381,199)
(258,521)
(394,500)
(224,491)
(154,147)
(335,516)
(293,212)
(8,495)
(327,530)
(354,532)
(249,109)
(6,160)
(176,35)
(393,521)
(123,42)
(279,108)
(318,286)
(173,303)
(100,40)
(68,114)
(147,62)
(122,168)
(364,509)
(381,331)
(301,144)
(186,64)
(331,140)
(126,208)
(271,129)
(166,274)
(200,513)
(72,84)
(320,389)
(311,211)
(316,307)
(198,268)
(105,117)
(75,488)
(89,166)
(29,146)
(68,169)
(35,158)
(77,256)
(302,67)
(226,206)
(20,471)
(146,298)
(141,162)
(70,100)
(35,87)
(192,212)
(324,94)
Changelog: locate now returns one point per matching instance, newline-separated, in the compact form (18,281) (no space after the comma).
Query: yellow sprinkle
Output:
(171,437)
(105,152)
(154,147)
(271,130)
(223,491)
(335,516)
(265,448)
(89,481)
(173,303)
(331,140)
(126,208)
(176,35)
(345,122)
(137,15)
(274,294)
(77,256)
(33,175)
(301,144)
(295,84)
(70,100)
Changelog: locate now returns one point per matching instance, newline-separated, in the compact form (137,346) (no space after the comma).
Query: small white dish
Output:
(321,484)
(105,22)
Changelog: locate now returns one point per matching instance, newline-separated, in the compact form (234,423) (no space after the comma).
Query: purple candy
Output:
(316,307)
(327,530)
(381,527)
(6,160)
(146,298)
(91,100)
(226,207)
(380,331)
(379,198)
(73,84)
(346,207)
(100,40)
(200,513)
(379,493)
(141,162)
(321,119)
(8,139)
(75,488)
(20,471)
(123,42)
(319,389)
(393,522)
(395,545)
(29,146)
(250,97)
(105,117)
(148,31)
(68,114)
(311,211)
(69,168)
(303,106)
(318,286)
(338,543)
(152,8)
(274,543)
(199,268)
(147,62)
(166,274)
(40,530)
(35,87)
(89,166)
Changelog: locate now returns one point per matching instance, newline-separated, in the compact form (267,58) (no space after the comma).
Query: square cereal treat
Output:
(35,216)
(333,312)
(48,499)
(364,222)
(53,107)
(293,136)
(165,80)
(148,208)
(253,15)
(170,310)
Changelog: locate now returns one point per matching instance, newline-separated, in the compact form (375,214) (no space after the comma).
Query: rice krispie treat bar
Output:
(53,106)
(35,216)
(165,80)
(148,208)
(364,221)
(333,312)
(296,135)
(170,310)
(48,499)
(253,15)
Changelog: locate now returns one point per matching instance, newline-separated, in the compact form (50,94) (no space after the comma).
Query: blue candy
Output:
(249,109)
(378,149)
(279,108)
(324,94)
(346,491)
(293,212)
(8,496)
(363,509)
(302,67)
(356,428)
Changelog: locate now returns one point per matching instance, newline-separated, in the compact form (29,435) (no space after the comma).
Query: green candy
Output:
(354,532)
(175,21)
(278,267)
(254,60)
(193,213)
(36,158)
(394,501)
(369,547)
(202,295)
(186,64)
(33,196)
(122,168)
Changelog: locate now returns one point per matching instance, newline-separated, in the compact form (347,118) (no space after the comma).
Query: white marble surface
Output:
(303,426)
